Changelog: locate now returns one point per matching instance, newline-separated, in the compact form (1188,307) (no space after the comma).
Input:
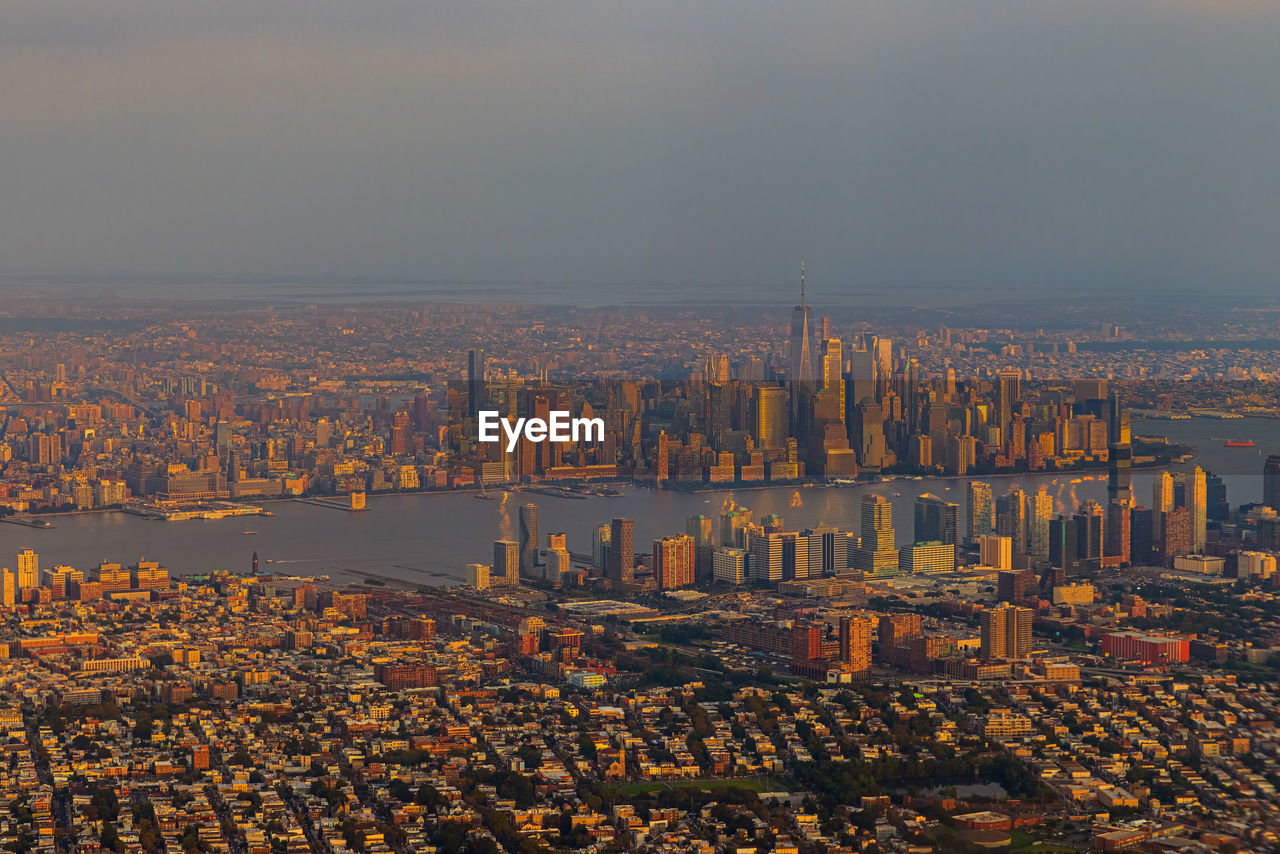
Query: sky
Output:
(1039,146)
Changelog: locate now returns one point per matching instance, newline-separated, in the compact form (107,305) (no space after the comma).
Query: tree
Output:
(428,796)
(399,790)
(111,838)
(190,839)
(106,803)
(531,755)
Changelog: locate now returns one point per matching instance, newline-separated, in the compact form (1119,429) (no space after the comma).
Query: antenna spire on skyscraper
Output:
(802,302)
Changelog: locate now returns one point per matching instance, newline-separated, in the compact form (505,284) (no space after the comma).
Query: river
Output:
(430,538)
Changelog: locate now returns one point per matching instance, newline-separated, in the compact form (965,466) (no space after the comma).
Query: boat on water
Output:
(1238,443)
(248,533)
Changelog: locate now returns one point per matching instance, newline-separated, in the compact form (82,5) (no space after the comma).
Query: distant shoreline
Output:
(1091,472)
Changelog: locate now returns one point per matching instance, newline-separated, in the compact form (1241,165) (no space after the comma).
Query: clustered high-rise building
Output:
(820,406)
(1006,632)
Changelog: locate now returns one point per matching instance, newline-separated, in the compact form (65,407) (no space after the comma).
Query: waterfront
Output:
(429,538)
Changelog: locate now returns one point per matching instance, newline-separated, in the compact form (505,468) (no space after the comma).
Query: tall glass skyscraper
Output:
(981,510)
(801,354)
(621,566)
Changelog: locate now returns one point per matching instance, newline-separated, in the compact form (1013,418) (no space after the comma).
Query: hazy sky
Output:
(954,143)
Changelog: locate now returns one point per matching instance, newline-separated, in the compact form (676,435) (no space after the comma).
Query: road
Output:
(234,840)
(61,807)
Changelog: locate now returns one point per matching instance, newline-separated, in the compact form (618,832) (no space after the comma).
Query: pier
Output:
(334,505)
(43,524)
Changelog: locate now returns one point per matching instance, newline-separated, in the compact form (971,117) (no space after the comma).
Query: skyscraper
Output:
(600,539)
(862,371)
(716,369)
(1219,509)
(1141,545)
(801,375)
(1198,505)
(621,566)
(912,413)
(806,642)
(1012,585)
(1064,546)
(1271,482)
(556,564)
(855,644)
(992,636)
(1006,632)
(1118,429)
(981,510)
(1119,466)
(1008,389)
(733,526)
(869,434)
(8,588)
(1118,533)
(702,528)
(528,539)
(833,372)
(894,631)
(1089,533)
(769,419)
(883,350)
(673,561)
(719,405)
(878,554)
(828,551)
(782,556)
(506,563)
(995,551)
(730,565)
(1040,512)
(1011,519)
(28,569)
(662,458)
(475,381)
(222,439)
(1161,502)
(1175,535)
(936,520)
(766,557)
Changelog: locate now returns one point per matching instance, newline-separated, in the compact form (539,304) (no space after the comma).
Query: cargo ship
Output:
(1237,443)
